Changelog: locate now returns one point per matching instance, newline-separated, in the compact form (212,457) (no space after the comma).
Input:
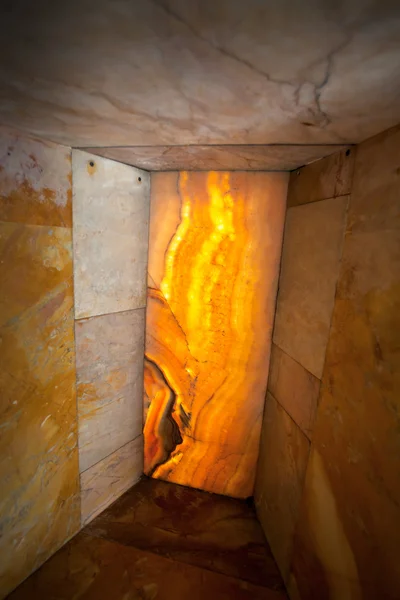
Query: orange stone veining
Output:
(209,317)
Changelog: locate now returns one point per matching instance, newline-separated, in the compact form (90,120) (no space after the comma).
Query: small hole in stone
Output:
(139,179)
(347,152)
(91,163)
(9,153)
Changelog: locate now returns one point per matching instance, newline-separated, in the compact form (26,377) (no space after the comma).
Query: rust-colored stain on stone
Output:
(215,242)
(35,181)
(39,506)
(91,167)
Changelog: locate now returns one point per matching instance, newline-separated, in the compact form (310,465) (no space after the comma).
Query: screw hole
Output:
(139,179)
(347,152)
(91,163)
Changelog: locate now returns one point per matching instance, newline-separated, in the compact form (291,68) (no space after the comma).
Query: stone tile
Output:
(215,249)
(312,249)
(39,505)
(348,542)
(182,73)
(35,181)
(111,218)
(268,157)
(281,470)
(206,530)
(326,178)
(294,388)
(107,480)
(109,363)
(95,569)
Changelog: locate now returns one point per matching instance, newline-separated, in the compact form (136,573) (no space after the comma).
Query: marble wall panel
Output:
(214,260)
(109,363)
(39,476)
(310,265)
(348,541)
(281,470)
(35,181)
(105,481)
(323,179)
(295,388)
(111,217)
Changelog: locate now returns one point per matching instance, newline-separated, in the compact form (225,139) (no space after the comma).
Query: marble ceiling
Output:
(186,72)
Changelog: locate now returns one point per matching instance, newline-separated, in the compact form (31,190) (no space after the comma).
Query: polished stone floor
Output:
(161,541)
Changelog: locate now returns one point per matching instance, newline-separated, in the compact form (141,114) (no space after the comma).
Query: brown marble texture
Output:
(109,365)
(39,505)
(295,388)
(111,221)
(35,181)
(161,541)
(323,179)
(213,532)
(281,471)
(157,72)
(95,569)
(258,157)
(215,242)
(312,248)
(108,479)
(348,539)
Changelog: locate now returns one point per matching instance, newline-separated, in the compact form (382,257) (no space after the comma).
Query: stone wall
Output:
(327,489)
(39,477)
(71,403)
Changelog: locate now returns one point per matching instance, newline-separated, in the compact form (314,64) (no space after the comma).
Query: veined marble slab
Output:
(274,157)
(111,218)
(108,479)
(348,538)
(312,248)
(157,73)
(109,364)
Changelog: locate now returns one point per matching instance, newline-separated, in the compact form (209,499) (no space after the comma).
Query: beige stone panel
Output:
(357,432)
(39,478)
(35,181)
(281,470)
(109,363)
(294,388)
(258,157)
(111,217)
(312,248)
(107,480)
(323,179)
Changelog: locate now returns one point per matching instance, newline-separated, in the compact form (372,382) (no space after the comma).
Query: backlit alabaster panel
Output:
(215,242)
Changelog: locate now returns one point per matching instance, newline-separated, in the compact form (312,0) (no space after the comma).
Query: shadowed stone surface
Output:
(161,541)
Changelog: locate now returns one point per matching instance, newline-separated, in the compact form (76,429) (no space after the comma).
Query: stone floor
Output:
(162,541)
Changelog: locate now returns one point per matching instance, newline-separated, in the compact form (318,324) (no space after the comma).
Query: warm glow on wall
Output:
(215,243)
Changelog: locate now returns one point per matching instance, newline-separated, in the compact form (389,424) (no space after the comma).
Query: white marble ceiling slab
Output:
(275,157)
(181,72)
